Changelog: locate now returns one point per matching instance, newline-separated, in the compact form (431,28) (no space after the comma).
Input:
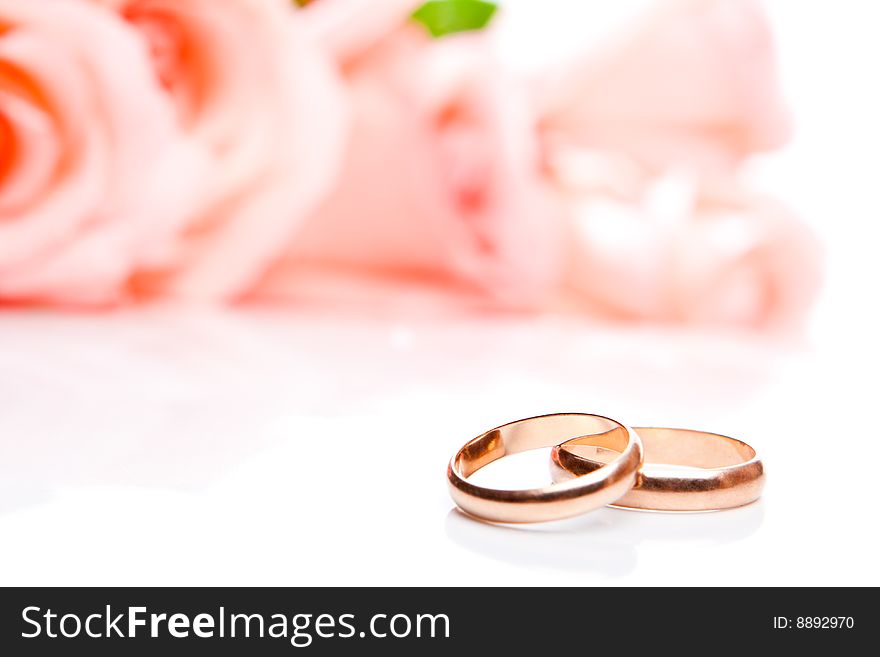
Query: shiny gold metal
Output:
(602,485)
(684,470)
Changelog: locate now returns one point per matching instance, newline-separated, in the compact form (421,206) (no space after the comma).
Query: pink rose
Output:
(265,110)
(441,180)
(94,178)
(672,249)
(693,83)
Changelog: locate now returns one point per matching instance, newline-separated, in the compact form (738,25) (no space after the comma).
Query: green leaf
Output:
(443,17)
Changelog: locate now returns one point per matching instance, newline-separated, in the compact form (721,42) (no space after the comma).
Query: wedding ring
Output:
(683,470)
(602,485)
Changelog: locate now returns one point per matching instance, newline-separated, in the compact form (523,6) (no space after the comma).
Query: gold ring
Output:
(684,470)
(602,485)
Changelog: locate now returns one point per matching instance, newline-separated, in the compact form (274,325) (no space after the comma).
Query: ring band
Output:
(719,472)
(601,486)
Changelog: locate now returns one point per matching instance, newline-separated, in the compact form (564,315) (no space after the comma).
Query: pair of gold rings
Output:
(597,461)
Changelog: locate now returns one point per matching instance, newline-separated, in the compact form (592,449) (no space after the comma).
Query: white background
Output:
(268,448)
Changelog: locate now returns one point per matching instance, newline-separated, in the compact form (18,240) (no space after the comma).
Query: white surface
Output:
(160,448)
(200,447)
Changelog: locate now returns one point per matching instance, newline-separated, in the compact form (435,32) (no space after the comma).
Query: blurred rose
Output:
(265,109)
(693,83)
(441,179)
(671,249)
(201,148)
(93,176)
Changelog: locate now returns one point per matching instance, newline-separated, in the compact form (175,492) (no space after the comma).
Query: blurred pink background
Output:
(257,150)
